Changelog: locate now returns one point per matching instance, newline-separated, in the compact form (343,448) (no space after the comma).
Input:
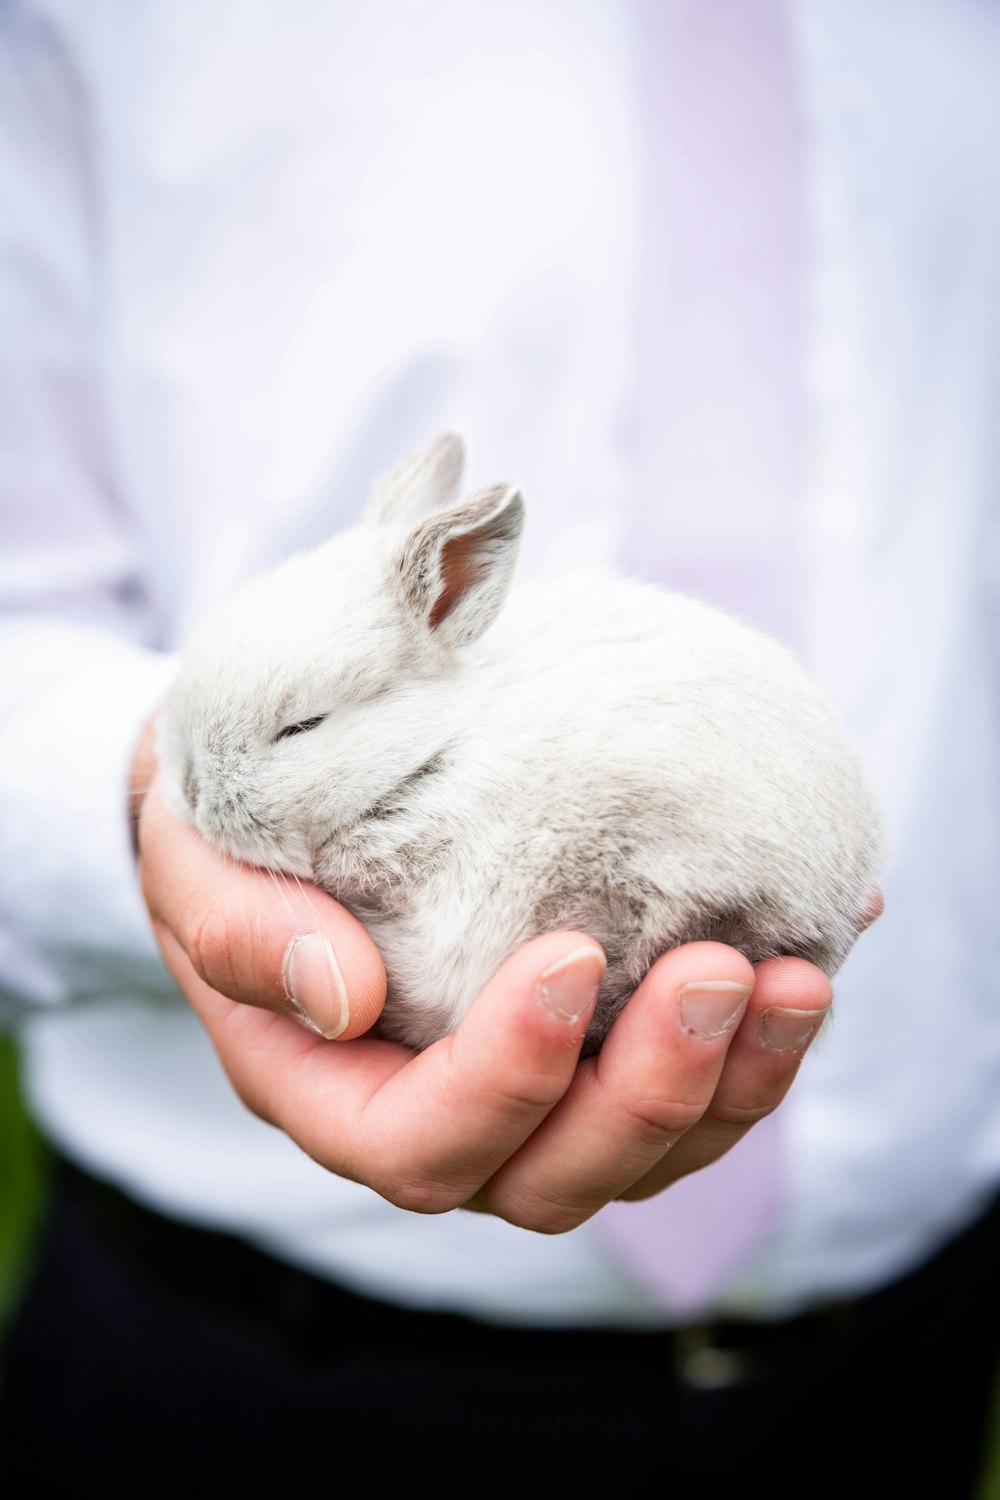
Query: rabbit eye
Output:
(303,728)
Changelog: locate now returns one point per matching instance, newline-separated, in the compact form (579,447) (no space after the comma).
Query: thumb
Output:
(254,936)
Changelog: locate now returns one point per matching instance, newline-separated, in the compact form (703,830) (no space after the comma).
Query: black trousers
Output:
(151,1358)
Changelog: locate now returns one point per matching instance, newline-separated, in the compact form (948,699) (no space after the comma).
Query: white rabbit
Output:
(600,754)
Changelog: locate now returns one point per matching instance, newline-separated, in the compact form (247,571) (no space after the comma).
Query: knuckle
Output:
(650,1118)
(423,1196)
(513,1092)
(402,1173)
(416,1191)
(741,1116)
(543,1214)
(529,1094)
(211,949)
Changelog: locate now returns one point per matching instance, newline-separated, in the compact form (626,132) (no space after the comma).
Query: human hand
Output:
(500,1116)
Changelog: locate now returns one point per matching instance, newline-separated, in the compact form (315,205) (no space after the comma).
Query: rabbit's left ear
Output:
(423,482)
(456,567)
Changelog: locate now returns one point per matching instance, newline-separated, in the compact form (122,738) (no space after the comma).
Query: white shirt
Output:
(246,267)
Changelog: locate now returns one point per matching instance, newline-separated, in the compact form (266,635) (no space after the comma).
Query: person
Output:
(251,265)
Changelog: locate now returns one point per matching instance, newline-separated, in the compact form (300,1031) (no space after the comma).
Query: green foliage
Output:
(990,1487)
(22,1178)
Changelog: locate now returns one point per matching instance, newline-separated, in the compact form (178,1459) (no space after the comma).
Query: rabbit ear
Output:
(456,567)
(426,481)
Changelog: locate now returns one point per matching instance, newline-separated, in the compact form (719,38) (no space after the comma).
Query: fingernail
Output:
(784,1030)
(712,1007)
(569,988)
(314,985)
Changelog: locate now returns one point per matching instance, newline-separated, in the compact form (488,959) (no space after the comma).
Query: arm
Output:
(78,674)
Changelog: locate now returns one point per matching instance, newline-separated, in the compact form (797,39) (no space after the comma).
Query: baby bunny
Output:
(464,766)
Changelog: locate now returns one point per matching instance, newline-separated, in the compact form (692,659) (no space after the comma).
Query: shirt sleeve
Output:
(79,664)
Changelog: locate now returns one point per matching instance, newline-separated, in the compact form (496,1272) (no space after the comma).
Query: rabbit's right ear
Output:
(426,481)
(456,567)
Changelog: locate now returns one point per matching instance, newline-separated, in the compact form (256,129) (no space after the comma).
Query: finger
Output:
(874,908)
(653,1080)
(257,937)
(424,1130)
(791,999)
(264,1053)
